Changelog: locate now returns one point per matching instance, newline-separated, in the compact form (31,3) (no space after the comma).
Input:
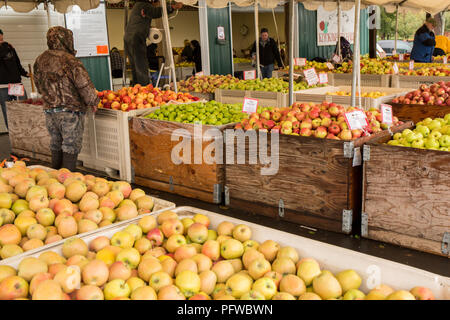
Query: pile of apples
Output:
(268,84)
(442,71)
(367,66)
(372,94)
(205,84)
(140,97)
(437,94)
(324,120)
(166,258)
(184,64)
(242,60)
(433,134)
(318,66)
(39,207)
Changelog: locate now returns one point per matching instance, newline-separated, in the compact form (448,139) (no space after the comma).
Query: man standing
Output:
(268,53)
(68,93)
(11,71)
(136,33)
(424,42)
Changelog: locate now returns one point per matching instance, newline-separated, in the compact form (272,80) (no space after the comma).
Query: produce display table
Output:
(367,80)
(151,156)
(265,98)
(316,184)
(406,196)
(401,81)
(418,112)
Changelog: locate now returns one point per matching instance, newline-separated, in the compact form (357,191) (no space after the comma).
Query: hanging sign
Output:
(336,58)
(16,89)
(249,74)
(250,105)
(330,66)
(356,120)
(311,76)
(386,113)
(220,33)
(327,26)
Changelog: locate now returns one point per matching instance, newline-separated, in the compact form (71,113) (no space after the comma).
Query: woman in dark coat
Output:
(197,55)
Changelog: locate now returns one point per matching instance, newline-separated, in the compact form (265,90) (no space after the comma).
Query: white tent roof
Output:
(431,6)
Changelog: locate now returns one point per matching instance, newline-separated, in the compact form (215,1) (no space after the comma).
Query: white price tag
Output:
(199,74)
(220,33)
(250,105)
(250,75)
(386,113)
(311,76)
(330,66)
(411,65)
(336,58)
(16,89)
(301,62)
(401,57)
(356,120)
(323,78)
(395,67)
(445,60)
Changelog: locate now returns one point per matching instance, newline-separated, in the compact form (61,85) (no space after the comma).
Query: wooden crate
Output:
(406,197)
(401,81)
(367,80)
(316,184)
(151,156)
(266,98)
(418,112)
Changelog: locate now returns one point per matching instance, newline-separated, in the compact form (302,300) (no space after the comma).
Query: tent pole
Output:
(339,26)
(258,67)
(168,43)
(396,28)
(356,65)
(49,20)
(125,22)
(291,52)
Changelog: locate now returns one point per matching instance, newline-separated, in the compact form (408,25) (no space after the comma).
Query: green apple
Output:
(427,121)
(444,149)
(410,137)
(354,294)
(425,131)
(348,279)
(266,286)
(19,206)
(231,249)
(444,141)
(436,134)
(434,124)
(212,235)
(432,143)
(447,118)
(418,143)
(398,135)
(116,288)
(406,132)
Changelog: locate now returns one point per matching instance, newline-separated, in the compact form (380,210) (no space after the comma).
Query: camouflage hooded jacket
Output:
(61,78)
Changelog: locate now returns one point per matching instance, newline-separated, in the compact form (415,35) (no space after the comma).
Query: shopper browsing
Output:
(68,93)
(136,33)
(268,53)
(11,72)
(424,42)
(186,54)
(197,55)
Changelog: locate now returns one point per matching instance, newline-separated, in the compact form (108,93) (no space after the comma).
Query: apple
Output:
(238,284)
(307,270)
(198,232)
(401,295)
(242,233)
(116,288)
(327,286)
(422,293)
(354,294)
(231,249)
(349,279)
(269,249)
(211,249)
(266,286)
(258,268)
(188,282)
(156,236)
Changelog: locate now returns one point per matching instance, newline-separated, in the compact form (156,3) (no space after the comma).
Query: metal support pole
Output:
(396,28)
(204,41)
(339,27)
(356,65)
(125,23)
(258,67)
(165,20)
(49,20)
(291,52)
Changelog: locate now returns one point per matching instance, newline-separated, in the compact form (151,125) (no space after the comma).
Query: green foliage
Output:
(408,23)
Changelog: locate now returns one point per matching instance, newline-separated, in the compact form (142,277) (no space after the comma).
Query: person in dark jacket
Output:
(136,33)
(68,93)
(197,55)
(346,50)
(11,71)
(424,42)
(116,63)
(187,53)
(268,53)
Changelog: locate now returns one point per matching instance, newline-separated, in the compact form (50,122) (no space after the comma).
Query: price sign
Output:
(445,59)
(250,105)
(356,120)
(330,66)
(401,57)
(249,74)
(336,58)
(199,74)
(382,55)
(395,67)
(323,78)
(411,65)
(220,33)
(301,62)
(386,113)
(311,76)
(16,89)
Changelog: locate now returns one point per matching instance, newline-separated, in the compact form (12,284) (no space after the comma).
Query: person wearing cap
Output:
(424,42)
(136,33)
(268,53)
(11,72)
(68,93)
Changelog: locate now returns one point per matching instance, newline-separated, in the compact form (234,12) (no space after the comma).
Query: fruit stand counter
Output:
(406,196)
(316,184)
(367,80)
(316,256)
(403,81)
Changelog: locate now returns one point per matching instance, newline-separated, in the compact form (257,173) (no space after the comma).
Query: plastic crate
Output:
(401,81)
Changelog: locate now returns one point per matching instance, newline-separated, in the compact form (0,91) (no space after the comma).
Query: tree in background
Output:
(408,23)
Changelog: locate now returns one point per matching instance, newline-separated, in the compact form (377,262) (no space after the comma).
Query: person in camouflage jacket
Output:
(68,93)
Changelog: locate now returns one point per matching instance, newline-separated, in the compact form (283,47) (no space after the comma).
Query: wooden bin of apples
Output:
(205,86)
(317,173)
(406,193)
(170,153)
(428,101)
(191,254)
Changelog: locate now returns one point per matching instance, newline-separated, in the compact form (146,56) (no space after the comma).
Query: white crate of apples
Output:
(171,257)
(40,207)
